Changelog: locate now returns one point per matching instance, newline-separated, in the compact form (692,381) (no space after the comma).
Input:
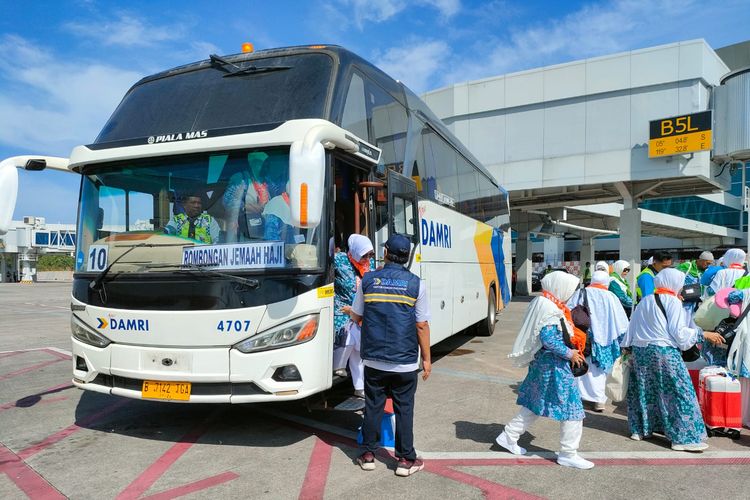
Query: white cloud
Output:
(126,31)
(414,63)
(49,106)
(377,11)
(593,30)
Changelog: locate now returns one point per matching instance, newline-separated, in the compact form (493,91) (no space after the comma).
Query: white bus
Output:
(284,153)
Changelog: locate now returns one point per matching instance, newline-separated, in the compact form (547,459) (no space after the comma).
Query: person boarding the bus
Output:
(193,223)
(645,280)
(393,307)
(349,269)
(549,390)
(608,324)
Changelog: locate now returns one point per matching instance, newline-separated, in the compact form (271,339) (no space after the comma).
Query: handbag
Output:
(688,355)
(691,293)
(616,387)
(709,314)
(583,367)
(581,316)
(728,327)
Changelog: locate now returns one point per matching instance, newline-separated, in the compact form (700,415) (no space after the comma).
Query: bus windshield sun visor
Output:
(237,71)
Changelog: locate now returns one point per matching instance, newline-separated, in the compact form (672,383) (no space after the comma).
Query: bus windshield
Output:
(224,211)
(211,97)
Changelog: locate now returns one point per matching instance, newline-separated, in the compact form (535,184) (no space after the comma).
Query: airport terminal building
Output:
(575,146)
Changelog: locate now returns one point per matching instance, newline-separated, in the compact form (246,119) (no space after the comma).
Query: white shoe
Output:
(504,441)
(636,437)
(575,461)
(599,407)
(695,447)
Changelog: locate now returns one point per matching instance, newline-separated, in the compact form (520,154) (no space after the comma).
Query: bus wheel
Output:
(486,327)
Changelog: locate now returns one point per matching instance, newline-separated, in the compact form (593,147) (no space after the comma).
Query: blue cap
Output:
(398,244)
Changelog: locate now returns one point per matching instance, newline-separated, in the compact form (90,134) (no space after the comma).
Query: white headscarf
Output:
(600,278)
(648,325)
(601,266)
(734,256)
(608,319)
(725,278)
(620,266)
(542,312)
(359,246)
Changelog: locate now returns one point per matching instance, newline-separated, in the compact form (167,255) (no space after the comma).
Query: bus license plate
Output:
(157,389)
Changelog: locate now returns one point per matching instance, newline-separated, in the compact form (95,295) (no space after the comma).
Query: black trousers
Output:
(401,387)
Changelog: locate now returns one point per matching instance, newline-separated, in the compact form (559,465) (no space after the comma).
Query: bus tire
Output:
(486,327)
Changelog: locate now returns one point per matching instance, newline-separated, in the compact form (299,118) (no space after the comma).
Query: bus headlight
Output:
(294,332)
(85,334)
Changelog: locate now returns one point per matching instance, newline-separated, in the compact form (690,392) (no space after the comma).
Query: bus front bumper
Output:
(216,375)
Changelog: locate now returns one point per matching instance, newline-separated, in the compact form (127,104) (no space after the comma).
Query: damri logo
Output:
(125,325)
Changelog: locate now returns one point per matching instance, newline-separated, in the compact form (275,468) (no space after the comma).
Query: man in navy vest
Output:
(392,305)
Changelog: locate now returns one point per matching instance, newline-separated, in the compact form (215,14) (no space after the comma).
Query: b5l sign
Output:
(680,134)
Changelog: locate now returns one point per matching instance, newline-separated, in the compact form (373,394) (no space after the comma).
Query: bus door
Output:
(403,215)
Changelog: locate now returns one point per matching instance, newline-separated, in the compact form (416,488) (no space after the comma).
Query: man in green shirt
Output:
(694,269)
(587,274)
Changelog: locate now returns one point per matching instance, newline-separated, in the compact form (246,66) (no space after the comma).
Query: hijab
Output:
(600,279)
(601,266)
(543,312)
(725,278)
(359,246)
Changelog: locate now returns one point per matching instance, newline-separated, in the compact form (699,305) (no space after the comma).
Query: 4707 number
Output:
(236,325)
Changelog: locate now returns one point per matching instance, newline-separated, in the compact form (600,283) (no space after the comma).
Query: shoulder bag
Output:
(728,327)
(688,355)
(583,367)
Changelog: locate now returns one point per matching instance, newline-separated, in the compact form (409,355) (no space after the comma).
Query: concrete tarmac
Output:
(57,441)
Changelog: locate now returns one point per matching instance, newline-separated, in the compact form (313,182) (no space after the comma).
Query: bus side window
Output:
(389,122)
(354,116)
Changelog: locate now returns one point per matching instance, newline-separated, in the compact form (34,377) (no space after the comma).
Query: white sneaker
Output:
(575,461)
(636,437)
(504,441)
(695,447)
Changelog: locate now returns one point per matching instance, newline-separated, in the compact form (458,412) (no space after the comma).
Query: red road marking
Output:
(41,393)
(60,435)
(12,353)
(26,478)
(8,406)
(57,354)
(314,485)
(29,369)
(193,487)
(491,490)
(148,477)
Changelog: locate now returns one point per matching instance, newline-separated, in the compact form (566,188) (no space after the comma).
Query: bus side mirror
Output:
(8,193)
(306,183)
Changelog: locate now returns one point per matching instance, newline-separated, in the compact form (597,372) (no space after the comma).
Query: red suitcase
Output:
(694,368)
(720,397)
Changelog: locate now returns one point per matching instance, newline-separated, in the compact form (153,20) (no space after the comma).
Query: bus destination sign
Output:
(680,134)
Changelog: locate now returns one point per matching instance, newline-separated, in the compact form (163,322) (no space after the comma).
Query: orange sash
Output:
(665,291)
(597,285)
(578,338)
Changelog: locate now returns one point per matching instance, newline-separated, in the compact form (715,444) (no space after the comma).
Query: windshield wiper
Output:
(254,70)
(194,269)
(234,70)
(96,283)
(189,269)
(222,63)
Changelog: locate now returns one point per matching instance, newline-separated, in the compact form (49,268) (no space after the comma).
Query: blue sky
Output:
(64,65)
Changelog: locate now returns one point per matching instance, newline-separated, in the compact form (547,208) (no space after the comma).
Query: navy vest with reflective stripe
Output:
(389,324)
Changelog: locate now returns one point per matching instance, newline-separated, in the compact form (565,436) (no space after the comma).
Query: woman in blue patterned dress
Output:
(608,324)
(549,389)
(660,394)
(349,267)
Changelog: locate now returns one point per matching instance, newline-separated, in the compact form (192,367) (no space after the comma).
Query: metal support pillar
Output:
(587,252)
(554,251)
(630,242)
